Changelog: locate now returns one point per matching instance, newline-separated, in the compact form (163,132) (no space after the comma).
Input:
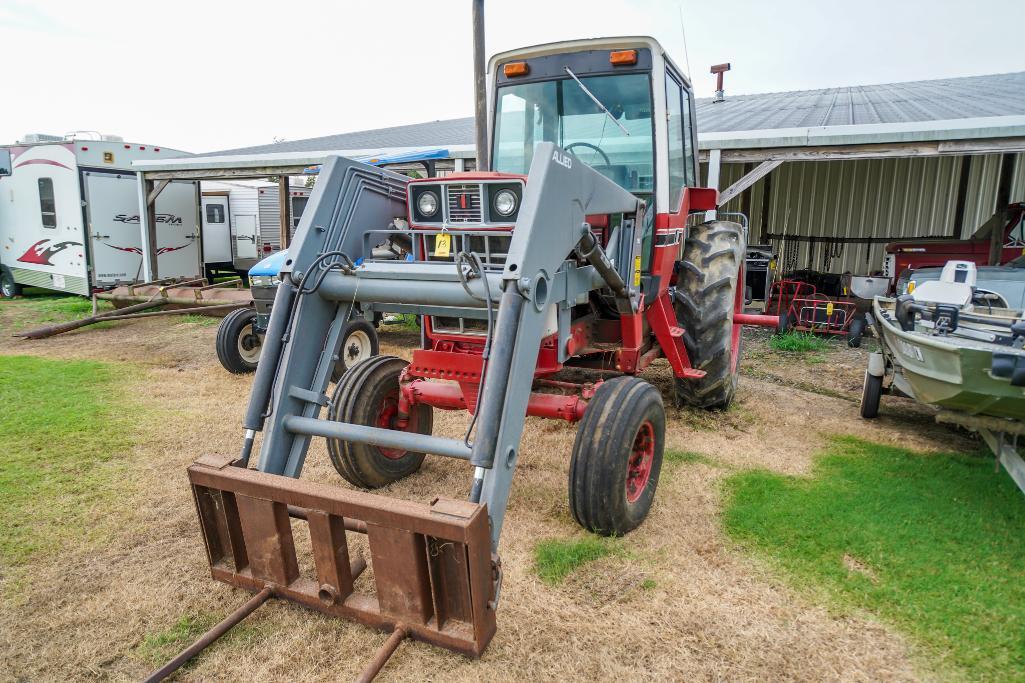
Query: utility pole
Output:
(480,109)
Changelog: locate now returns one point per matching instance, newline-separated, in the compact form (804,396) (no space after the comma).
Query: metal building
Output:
(831,176)
(827,177)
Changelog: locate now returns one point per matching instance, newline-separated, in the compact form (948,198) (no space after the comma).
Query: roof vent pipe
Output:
(719,70)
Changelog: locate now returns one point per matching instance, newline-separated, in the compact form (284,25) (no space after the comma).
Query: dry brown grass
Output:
(712,614)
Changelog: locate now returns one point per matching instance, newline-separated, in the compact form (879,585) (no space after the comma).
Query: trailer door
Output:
(216,229)
(246,228)
(178,231)
(112,202)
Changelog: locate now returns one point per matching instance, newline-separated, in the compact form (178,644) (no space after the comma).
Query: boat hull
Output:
(942,372)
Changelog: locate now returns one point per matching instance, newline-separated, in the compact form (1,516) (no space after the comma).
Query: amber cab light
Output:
(623,57)
(513,69)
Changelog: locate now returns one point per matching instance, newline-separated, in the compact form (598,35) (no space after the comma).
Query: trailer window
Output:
(47,204)
(215,213)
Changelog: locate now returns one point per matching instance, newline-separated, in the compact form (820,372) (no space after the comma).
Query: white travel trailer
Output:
(69,215)
(242,222)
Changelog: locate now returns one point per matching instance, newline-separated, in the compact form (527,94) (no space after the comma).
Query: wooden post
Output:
(150,248)
(285,208)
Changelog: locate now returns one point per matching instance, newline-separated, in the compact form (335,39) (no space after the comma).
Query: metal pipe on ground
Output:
(52,330)
(210,636)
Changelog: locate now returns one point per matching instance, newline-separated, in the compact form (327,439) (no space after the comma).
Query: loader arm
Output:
(352,198)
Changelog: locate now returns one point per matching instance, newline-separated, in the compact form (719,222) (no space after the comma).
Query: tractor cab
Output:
(618,105)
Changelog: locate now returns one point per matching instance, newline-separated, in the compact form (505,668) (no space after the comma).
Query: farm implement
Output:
(574,259)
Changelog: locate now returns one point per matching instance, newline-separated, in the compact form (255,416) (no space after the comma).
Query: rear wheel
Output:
(238,344)
(708,293)
(617,457)
(368,395)
(359,343)
(8,287)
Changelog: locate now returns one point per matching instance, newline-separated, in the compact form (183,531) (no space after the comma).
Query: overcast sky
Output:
(208,75)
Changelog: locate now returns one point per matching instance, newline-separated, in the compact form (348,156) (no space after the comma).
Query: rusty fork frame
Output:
(432,564)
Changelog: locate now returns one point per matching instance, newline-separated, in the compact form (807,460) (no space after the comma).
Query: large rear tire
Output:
(617,457)
(708,293)
(238,344)
(368,395)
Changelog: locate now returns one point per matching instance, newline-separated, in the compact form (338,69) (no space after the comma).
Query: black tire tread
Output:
(871,393)
(609,421)
(356,462)
(227,340)
(705,293)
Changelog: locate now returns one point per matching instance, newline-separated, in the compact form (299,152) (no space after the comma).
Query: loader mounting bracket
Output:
(433,570)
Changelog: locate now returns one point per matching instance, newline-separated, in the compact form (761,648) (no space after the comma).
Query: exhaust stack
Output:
(719,70)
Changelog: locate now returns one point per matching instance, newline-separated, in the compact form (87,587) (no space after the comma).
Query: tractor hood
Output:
(271,265)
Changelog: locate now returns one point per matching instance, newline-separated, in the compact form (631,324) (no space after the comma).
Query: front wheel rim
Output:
(356,348)
(639,464)
(248,345)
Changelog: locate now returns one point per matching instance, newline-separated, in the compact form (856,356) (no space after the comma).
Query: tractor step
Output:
(432,566)
(675,332)
(693,373)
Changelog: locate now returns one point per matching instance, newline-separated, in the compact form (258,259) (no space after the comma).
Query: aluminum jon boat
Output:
(948,345)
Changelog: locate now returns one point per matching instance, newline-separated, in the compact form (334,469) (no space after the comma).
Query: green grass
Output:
(798,342)
(64,439)
(934,544)
(556,558)
(158,648)
(406,321)
(200,320)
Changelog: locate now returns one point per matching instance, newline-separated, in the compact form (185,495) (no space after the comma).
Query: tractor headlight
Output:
(264,281)
(427,204)
(505,202)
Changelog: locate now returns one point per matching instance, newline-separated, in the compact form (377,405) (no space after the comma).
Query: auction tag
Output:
(442,244)
(829,308)
(637,271)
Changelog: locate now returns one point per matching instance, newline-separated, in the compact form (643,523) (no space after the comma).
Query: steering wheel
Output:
(989,298)
(596,148)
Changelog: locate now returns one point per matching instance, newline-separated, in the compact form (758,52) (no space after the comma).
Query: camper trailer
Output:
(69,215)
(242,222)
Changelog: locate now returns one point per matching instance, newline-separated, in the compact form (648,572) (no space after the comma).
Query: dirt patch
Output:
(679,603)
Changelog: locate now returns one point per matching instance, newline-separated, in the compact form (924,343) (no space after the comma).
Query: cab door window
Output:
(677,127)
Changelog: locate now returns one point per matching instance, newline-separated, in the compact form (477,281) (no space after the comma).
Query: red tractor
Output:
(543,287)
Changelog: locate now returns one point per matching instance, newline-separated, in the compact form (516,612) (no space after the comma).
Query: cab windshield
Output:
(561,112)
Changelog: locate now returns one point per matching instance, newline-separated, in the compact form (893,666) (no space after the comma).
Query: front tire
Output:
(368,395)
(617,457)
(238,344)
(707,295)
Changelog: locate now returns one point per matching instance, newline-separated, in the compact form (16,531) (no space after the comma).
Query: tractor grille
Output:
(464,205)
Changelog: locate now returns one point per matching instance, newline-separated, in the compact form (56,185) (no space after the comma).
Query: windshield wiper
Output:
(596,101)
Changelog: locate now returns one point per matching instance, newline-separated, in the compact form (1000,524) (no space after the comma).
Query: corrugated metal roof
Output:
(431,134)
(917,101)
(936,100)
